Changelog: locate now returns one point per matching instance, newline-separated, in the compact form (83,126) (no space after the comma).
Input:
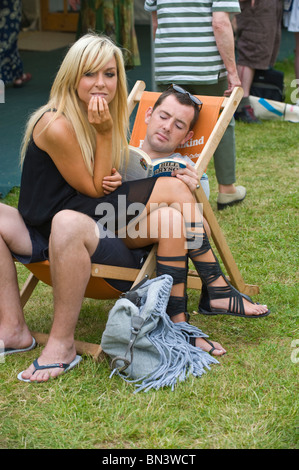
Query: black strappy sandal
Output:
(236,306)
(176,304)
(210,272)
(193,342)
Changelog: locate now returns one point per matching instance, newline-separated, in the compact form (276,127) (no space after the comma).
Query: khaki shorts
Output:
(259,33)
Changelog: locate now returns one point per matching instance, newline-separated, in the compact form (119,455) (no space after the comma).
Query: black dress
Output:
(44,192)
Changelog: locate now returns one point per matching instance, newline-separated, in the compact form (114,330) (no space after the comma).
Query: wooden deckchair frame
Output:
(135,275)
(228,109)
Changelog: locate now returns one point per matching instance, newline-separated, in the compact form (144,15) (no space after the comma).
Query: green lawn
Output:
(250,400)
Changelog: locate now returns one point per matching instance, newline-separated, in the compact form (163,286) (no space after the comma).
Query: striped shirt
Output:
(185,46)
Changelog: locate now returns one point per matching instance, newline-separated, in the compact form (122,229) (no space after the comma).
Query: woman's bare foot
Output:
(211,347)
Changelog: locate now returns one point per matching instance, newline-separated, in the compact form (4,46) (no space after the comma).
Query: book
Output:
(140,165)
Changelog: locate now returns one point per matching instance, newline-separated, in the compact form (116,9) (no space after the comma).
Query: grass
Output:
(249,400)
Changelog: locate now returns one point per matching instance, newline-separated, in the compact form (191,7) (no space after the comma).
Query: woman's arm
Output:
(111,183)
(60,142)
(100,118)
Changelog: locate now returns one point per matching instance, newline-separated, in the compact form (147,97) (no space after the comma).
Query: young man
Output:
(171,127)
(257,46)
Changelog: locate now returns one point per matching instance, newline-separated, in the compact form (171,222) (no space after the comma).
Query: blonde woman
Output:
(73,147)
(72,151)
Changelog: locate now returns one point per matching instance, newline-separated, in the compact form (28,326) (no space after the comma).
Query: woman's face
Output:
(102,83)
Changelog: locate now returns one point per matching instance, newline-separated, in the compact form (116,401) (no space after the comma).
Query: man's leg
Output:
(245,111)
(14,237)
(165,226)
(172,191)
(74,238)
(246,75)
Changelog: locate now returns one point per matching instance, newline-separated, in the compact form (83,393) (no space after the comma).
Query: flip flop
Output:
(211,344)
(192,341)
(7,351)
(60,365)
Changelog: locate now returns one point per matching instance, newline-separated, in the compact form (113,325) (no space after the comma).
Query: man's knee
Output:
(170,223)
(175,189)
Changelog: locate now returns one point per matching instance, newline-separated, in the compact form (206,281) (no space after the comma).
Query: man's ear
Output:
(188,136)
(148,114)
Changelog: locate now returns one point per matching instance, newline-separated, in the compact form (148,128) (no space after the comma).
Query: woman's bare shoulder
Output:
(52,128)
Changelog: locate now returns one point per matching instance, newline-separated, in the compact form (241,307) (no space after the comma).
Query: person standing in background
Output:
(115,19)
(194,48)
(258,41)
(291,22)
(11,65)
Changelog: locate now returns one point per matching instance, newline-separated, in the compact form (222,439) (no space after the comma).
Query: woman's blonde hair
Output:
(89,54)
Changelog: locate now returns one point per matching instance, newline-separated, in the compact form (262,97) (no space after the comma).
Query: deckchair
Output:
(214,119)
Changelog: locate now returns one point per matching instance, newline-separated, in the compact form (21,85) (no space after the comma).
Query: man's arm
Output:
(224,37)
(252,2)
(154,23)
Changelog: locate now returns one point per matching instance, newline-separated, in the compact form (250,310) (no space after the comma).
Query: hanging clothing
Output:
(11,65)
(115,19)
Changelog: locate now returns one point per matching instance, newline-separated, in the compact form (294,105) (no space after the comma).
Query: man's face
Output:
(167,127)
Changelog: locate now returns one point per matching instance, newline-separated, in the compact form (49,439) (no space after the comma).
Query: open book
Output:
(141,166)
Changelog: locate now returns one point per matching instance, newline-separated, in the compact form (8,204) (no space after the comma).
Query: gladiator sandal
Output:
(210,272)
(176,304)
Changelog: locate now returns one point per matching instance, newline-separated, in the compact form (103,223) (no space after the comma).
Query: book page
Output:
(138,166)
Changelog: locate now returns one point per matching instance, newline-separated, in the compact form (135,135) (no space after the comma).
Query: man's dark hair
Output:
(183,99)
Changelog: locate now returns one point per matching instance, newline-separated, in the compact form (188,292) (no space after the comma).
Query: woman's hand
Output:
(111,183)
(99,115)
(188,175)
